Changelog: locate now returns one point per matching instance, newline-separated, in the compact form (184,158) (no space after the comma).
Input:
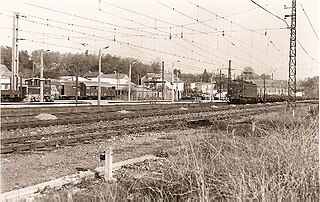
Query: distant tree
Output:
(248,73)
(265,76)
(310,86)
(175,71)
(6,53)
(205,76)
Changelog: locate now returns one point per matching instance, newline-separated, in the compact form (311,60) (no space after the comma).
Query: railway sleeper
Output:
(6,150)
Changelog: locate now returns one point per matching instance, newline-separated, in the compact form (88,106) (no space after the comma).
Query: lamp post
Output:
(99,75)
(41,74)
(172,80)
(129,84)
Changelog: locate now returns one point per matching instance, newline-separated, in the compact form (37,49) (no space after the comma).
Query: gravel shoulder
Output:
(33,167)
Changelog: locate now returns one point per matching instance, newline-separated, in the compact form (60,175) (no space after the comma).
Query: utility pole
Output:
(129,84)
(177,85)
(229,79)
(211,89)
(77,83)
(264,88)
(99,75)
(220,86)
(99,78)
(162,79)
(41,75)
(292,55)
(172,80)
(15,52)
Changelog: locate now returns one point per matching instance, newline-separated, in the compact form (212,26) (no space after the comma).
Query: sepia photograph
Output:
(159,100)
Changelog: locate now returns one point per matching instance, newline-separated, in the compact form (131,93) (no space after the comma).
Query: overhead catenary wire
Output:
(233,22)
(307,53)
(193,18)
(59,27)
(288,26)
(70,14)
(67,29)
(305,13)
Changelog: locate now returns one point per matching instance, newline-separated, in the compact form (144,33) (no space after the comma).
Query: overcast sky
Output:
(204,34)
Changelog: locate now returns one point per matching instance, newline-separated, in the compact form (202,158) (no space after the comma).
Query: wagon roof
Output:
(94,83)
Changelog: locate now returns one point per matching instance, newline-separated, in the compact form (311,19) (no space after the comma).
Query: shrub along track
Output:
(179,119)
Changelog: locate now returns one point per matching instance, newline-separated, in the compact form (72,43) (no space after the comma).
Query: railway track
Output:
(16,112)
(71,119)
(80,118)
(18,144)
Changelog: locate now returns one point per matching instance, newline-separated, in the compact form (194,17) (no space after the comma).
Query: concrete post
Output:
(108,165)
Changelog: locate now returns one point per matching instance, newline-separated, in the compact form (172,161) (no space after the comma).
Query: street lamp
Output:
(129,87)
(99,75)
(41,74)
(172,80)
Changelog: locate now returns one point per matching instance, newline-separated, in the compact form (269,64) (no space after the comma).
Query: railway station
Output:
(159,100)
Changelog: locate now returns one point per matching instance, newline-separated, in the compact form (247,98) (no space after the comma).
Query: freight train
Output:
(87,90)
(55,89)
(246,92)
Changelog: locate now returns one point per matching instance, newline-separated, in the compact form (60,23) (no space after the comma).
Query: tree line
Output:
(58,64)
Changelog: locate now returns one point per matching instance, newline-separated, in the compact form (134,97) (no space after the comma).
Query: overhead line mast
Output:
(292,54)
(15,53)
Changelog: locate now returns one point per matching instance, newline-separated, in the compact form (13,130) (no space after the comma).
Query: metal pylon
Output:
(292,55)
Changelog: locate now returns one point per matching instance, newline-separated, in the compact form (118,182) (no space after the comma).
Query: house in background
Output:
(5,77)
(153,81)
(203,87)
(118,81)
(272,87)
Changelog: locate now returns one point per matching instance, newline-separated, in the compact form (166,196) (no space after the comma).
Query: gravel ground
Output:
(33,167)
(62,128)
(30,168)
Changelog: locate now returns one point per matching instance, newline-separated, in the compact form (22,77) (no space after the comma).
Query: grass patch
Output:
(281,163)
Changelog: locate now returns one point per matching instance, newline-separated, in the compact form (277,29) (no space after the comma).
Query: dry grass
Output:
(280,164)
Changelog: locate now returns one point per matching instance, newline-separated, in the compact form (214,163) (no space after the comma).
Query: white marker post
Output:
(108,165)
(253,127)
